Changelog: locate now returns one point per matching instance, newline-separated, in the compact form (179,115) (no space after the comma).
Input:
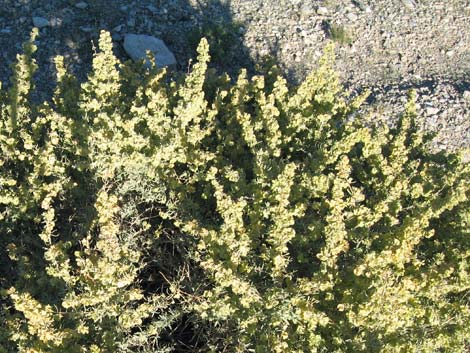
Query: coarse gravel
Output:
(388,46)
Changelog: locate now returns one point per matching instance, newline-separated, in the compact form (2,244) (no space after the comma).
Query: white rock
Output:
(136,46)
(432,111)
(81,5)
(55,22)
(322,11)
(466,95)
(411,4)
(307,10)
(351,17)
(40,22)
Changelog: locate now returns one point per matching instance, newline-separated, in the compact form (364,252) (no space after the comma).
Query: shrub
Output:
(338,33)
(142,213)
(223,38)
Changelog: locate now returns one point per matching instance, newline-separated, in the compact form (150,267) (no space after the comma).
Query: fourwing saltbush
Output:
(141,212)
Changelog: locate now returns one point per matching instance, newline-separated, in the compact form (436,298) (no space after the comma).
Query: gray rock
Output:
(306,10)
(351,16)
(432,111)
(152,9)
(87,29)
(136,46)
(40,22)
(322,11)
(55,22)
(81,5)
(410,4)
(131,22)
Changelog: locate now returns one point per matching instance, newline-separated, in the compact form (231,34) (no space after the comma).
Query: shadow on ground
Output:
(73,31)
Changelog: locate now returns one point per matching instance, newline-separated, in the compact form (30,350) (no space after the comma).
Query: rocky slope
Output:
(389,46)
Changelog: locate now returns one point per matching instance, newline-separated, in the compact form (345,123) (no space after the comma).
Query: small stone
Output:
(432,111)
(86,29)
(136,46)
(131,22)
(306,10)
(40,22)
(322,11)
(55,22)
(81,5)
(466,95)
(450,53)
(351,17)
(152,9)
(410,4)
(466,156)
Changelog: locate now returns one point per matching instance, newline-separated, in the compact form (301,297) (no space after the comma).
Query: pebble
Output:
(40,22)
(86,29)
(466,95)
(351,17)
(55,22)
(322,11)
(131,22)
(81,5)
(432,111)
(307,10)
(152,9)
(410,4)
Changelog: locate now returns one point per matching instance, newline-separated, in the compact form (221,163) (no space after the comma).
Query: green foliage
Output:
(144,214)
(339,34)
(222,38)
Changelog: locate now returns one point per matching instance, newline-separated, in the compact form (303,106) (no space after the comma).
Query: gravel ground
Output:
(388,46)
